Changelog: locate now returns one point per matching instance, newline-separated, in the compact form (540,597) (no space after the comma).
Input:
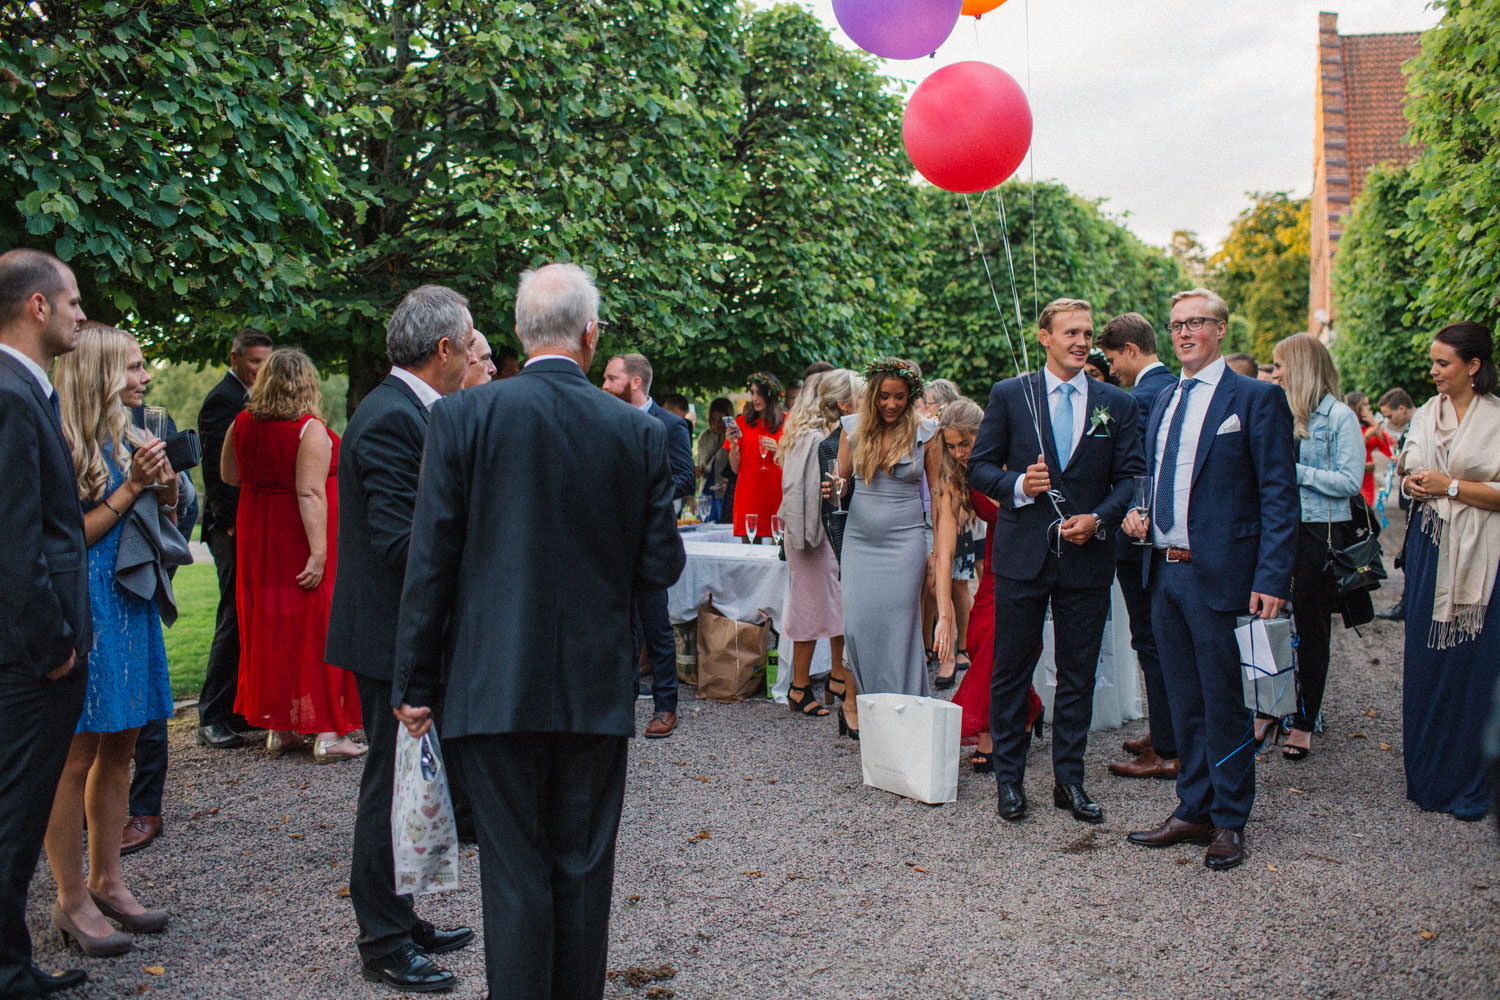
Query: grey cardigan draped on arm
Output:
(801,493)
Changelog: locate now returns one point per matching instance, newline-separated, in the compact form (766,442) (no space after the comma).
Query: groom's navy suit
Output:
(1096,480)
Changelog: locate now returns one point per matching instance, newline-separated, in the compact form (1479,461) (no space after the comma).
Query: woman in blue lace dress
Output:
(118,467)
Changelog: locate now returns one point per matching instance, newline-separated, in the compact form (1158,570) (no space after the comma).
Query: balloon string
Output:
(1015,292)
(1036,295)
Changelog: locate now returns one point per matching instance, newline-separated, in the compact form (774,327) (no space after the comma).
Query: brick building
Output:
(1358,124)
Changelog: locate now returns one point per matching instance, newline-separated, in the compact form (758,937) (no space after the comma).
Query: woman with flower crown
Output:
(885,545)
(751,441)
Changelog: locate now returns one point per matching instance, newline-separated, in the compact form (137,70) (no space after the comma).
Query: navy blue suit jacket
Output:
(1243,510)
(1146,389)
(1096,480)
(679,450)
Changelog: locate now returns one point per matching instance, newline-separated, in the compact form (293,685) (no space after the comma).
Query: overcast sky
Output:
(1169,109)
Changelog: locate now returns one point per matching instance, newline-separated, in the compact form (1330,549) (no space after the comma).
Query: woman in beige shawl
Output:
(1451,468)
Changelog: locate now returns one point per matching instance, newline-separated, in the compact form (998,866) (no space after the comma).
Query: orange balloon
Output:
(977,7)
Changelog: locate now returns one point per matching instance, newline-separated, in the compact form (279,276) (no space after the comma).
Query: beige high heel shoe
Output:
(113,943)
(150,922)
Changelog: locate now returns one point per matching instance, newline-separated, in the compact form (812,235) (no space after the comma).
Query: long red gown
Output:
(758,489)
(973,694)
(284,682)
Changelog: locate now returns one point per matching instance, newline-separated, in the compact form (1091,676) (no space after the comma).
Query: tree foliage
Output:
(1262,267)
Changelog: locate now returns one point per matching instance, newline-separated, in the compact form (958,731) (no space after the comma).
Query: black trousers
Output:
(385,917)
(1078,629)
(221,677)
(1312,608)
(547,806)
(1143,641)
(150,776)
(651,626)
(40,716)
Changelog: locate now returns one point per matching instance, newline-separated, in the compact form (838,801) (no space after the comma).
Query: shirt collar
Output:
(1209,374)
(426,394)
(646,406)
(551,357)
(37,371)
(1142,373)
(1079,381)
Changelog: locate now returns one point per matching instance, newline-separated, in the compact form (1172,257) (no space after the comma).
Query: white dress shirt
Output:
(426,394)
(37,371)
(1142,373)
(1207,381)
(1080,401)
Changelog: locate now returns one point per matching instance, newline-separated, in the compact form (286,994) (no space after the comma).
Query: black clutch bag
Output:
(184,450)
(833,523)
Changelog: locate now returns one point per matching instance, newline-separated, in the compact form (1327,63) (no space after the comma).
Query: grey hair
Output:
(425,316)
(554,303)
(942,391)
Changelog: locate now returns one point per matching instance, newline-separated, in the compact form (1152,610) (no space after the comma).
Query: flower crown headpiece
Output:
(883,368)
(769,384)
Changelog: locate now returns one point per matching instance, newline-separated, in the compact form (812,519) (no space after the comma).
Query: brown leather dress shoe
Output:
(1227,849)
(661,725)
(140,831)
(1173,831)
(1137,747)
(1147,765)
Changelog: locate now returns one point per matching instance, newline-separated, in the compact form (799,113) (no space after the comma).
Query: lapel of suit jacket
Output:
(1153,426)
(1037,386)
(42,401)
(1092,397)
(1217,406)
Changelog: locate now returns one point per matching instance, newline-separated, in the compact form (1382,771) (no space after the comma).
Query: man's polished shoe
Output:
(1226,850)
(56,982)
(218,736)
(661,725)
(140,831)
(1147,765)
(1011,803)
(1074,799)
(1397,613)
(409,970)
(436,940)
(1173,831)
(1137,747)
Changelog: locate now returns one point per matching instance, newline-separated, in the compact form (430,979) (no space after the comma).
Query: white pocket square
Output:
(1230,425)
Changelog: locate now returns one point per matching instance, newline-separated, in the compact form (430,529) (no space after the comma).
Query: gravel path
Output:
(754,863)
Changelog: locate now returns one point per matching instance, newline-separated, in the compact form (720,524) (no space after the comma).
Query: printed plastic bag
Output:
(424,839)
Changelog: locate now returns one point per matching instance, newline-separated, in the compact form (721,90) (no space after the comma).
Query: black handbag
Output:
(1355,564)
(833,524)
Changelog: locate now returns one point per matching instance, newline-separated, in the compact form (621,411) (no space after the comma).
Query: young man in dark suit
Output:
(430,341)
(1224,523)
(218,725)
(1130,344)
(628,378)
(515,618)
(47,630)
(1060,497)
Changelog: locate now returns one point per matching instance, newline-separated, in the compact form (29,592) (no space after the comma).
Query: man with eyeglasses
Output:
(1059,452)
(1223,524)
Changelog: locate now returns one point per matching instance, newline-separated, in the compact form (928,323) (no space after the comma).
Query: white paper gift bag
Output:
(424,839)
(1267,664)
(909,745)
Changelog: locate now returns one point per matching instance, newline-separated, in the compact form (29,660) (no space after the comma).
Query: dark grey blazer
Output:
(222,404)
(545,505)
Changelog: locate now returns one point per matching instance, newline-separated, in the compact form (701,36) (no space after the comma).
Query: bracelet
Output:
(117,514)
(171,507)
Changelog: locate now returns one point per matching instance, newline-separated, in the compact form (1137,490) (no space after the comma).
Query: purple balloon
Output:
(898,29)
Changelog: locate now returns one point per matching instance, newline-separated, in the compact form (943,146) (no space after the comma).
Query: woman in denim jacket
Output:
(1330,464)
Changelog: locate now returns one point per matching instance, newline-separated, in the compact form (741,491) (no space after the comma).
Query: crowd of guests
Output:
(928,538)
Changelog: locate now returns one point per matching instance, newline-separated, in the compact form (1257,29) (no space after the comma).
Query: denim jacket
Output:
(1330,462)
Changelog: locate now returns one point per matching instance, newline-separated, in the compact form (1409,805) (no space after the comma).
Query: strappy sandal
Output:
(983,763)
(835,692)
(801,699)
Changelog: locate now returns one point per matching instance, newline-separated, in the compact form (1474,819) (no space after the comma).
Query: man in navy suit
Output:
(47,629)
(1060,499)
(1224,524)
(1130,344)
(628,377)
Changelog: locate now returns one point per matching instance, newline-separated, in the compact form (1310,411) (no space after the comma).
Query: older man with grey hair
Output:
(430,341)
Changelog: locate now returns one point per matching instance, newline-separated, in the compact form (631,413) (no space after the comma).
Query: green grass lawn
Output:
(197,590)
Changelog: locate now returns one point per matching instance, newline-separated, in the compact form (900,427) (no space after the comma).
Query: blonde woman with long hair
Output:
(284,457)
(122,473)
(885,542)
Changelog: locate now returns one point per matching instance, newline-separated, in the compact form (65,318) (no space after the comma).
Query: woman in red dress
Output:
(283,458)
(1376,439)
(752,440)
(953,502)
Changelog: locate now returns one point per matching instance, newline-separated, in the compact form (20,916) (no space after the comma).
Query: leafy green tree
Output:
(1262,268)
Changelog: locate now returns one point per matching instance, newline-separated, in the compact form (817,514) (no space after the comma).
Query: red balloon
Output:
(977,7)
(967,127)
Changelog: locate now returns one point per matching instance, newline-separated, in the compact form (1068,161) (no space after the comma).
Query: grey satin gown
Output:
(884,563)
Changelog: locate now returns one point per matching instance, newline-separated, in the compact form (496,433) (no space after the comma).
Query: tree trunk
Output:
(367,367)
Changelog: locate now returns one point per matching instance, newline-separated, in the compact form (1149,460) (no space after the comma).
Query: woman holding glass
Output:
(751,441)
(713,463)
(122,473)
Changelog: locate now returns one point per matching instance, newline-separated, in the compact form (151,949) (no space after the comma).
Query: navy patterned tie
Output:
(56,407)
(1166,472)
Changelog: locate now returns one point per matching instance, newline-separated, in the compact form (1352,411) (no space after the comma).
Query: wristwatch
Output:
(1453,487)
(1098,527)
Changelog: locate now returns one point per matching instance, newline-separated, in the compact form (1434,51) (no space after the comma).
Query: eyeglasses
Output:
(599,324)
(1193,323)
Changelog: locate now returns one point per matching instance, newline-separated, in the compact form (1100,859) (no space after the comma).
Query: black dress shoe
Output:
(1011,804)
(1397,613)
(56,982)
(409,970)
(1075,799)
(435,941)
(1226,850)
(219,737)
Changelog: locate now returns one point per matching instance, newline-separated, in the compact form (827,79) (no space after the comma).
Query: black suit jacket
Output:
(44,572)
(519,579)
(679,450)
(222,404)
(1146,389)
(1096,480)
(379,460)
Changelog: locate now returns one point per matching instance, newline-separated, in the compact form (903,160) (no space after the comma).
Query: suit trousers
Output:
(1078,618)
(150,769)
(221,677)
(1312,609)
(651,625)
(385,917)
(40,718)
(1143,641)
(547,807)
(1200,663)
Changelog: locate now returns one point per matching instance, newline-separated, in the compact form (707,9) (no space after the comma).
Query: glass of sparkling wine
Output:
(831,477)
(778,528)
(1140,502)
(752,526)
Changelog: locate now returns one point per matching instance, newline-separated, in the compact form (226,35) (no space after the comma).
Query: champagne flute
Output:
(1140,502)
(155,421)
(831,476)
(778,528)
(752,526)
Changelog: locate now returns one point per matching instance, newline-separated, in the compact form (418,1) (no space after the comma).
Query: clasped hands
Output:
(1426,484)
(1037,480)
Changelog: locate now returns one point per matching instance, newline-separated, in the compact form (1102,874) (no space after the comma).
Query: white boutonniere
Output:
(1101,420)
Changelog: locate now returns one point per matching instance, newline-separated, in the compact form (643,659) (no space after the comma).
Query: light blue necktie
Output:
(1062,424)
(1166,473)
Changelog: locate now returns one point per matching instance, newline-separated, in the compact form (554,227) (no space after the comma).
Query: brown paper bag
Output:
(731,656)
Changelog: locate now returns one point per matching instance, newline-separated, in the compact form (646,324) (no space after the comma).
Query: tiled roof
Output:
(1374,93)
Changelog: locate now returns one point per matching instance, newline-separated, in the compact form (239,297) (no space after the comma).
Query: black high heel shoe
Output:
(831,692)
(845,729)
(801,699)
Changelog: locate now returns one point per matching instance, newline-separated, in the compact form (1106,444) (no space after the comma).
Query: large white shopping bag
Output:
(424,839)
(1267,664)
(909,745)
